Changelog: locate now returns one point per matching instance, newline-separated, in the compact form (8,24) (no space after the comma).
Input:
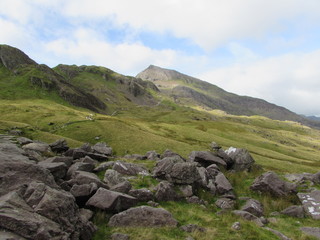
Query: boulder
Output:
(83,192)
(213,170)
(165,192)
(245,215)
(206,158)
(57,159)
(203,181)
(88,159)
(104,166)
(24,140)
(111,201)
(183,173)
(192,228)
(169,153)
(59,146)
(294,211)
(143,216)
(130,168)
(254,207)
(270,182)
(236,226)
(311,203)
(222,184)
(78,153)
(38,147)
(164,166)
(112,177)
(81,177)
(185,190)
(312,231)
(195,200)
(280,235)
(17,170)
(123,187)
(299,177)
(143,194)
(316,178)
(212,187)
(18,217)
(102,148)
(225,203)
(79,166)
(242,160)
(57,169)
(153,155)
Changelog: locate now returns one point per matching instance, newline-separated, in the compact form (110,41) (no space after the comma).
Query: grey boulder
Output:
(242,160)
(143,216)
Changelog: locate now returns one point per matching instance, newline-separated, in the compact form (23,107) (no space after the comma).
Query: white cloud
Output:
(87,46)
(290,80)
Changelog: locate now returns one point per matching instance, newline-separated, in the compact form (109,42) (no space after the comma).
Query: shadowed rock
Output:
(253,206)
(143,216)
(241,158)
(206,158)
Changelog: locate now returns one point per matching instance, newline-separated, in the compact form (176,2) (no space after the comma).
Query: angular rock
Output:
(312,231)
(24,141)
(153,155)
(86,214)
(97,156)
(311,203)
(38,147)
(18,217)
(57,169)
(245,215)
(212,187)
(192,228)
(206,158)
(130,168)
(88,159)
(59,146)
(195,200)
(102,148)
(79,166)
(225,203)
(316,178)
(242,160)
(169,153)
(186,190)
(213,170)
(299,177)
(112,177)
(17,170)
(254,207)
(183,173)
(203,181)
(143,216)
(270,182)
(78,153)
(143,194)
(111,201)
(165,192)
(104,166)
(165,165)
(123,187)
(294,211)
(83,192)
(81,177)
(57,159)
(222,184)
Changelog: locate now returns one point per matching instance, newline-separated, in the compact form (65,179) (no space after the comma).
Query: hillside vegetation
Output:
(94,104)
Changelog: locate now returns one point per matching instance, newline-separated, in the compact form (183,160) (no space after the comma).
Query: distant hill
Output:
(191,91)
(314,118)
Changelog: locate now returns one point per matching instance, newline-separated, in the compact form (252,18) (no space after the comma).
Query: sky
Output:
(268,49)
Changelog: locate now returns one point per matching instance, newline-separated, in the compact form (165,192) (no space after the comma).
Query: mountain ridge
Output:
(198,92)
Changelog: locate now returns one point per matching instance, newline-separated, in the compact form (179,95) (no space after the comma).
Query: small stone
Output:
(236,226)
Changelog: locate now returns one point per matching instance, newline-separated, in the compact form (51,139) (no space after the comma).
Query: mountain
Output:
(96,88)
(314,118)
(194,92)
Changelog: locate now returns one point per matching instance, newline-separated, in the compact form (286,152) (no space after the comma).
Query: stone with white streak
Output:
(311,203)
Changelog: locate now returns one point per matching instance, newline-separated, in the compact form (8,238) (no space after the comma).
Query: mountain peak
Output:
(12,57)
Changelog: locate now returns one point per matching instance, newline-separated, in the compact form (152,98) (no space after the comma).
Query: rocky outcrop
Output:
(206,158)
(270,182)
(143,216)
(241,159)
(311,203)
(111,201)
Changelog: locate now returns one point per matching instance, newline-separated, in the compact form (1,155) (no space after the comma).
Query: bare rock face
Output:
(270,182)
(111,201)
(311,203)
(143,216)
(242,160)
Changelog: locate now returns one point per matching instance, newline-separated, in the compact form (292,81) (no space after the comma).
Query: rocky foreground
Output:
(52,191)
